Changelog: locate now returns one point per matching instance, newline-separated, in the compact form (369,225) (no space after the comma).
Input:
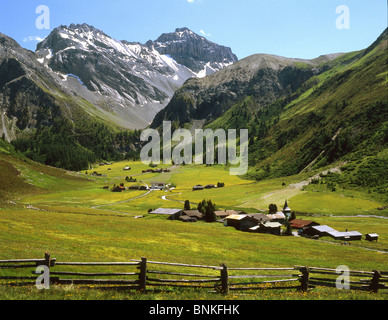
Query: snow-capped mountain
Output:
(193,51)
(128,82)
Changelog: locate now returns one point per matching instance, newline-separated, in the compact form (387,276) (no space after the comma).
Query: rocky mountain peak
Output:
(182,29)
(194,51)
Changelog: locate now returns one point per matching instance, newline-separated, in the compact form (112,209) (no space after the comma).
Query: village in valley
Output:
(278,223)
(275,222)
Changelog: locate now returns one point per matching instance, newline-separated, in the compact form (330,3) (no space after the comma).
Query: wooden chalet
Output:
(240,222)
(268,227)
(260,217)
(300,224)
(193,214)
(277,217)
(227,213)
(222,214)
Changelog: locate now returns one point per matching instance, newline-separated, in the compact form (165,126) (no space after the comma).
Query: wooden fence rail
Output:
(219,279)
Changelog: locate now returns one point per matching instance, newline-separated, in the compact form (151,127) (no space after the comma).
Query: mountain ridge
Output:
(130,79)
(264,75)
(72,102)
(194,51)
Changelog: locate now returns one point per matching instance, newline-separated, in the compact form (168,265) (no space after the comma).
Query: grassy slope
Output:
(20,177)
(339,102)
(71,230)
(356,84)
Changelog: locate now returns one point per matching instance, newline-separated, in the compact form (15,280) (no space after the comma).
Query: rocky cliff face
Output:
(193,51)
(26,89)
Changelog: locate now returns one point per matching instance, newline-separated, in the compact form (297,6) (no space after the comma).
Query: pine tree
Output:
(207,208)
(187,205)
(273,208)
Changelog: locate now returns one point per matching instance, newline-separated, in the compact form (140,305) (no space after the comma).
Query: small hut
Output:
(372,237)
(118,189)
(198,188)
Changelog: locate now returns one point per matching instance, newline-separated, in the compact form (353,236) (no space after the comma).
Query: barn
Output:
(321,231)
(347,236)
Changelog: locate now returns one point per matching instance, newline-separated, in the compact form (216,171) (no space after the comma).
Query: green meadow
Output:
(71,216)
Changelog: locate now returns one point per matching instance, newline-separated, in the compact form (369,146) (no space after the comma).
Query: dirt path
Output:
(354,246)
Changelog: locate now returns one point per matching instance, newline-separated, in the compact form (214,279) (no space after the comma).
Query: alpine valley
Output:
(82,97)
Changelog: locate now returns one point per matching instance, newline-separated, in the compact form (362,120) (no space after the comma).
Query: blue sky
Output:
(291,28)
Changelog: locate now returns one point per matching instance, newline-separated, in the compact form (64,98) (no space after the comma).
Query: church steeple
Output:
(287,210)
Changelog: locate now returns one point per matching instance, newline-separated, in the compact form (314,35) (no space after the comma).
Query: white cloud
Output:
(190,1)
(204,33)
(33,38)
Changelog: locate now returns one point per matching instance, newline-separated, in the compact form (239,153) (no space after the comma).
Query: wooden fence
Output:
(219,279)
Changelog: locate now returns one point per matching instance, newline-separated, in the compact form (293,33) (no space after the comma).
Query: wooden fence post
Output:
(224,279)
(47,260)
(374,285)
(143,275)
(47,263)
(304,282)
